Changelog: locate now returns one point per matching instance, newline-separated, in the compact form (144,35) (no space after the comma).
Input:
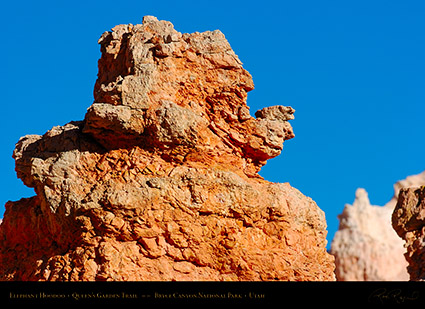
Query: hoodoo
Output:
(160,180)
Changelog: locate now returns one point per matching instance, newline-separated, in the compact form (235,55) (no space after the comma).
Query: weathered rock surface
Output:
(159,182)
(183,93)
(366,247)
(408,220)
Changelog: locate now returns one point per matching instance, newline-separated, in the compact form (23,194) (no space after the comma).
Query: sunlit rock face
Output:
(160,180)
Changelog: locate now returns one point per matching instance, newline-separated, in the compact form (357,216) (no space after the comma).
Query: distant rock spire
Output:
(366,247)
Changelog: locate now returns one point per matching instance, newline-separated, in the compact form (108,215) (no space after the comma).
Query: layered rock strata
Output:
(160,180)
(366,247)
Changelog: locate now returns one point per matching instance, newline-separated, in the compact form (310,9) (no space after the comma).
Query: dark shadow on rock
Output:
(71,138)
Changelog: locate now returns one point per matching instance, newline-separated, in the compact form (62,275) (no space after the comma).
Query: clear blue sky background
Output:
(353,70)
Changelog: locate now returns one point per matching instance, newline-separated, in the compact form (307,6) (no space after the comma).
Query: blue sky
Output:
(353,70)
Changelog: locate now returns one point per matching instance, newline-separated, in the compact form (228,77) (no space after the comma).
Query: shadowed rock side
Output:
(159,182)
(366,247)
(408,220)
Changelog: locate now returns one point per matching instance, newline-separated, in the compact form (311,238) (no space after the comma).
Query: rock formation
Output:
(408,220)
(160,180)
(366,247)
(410,182)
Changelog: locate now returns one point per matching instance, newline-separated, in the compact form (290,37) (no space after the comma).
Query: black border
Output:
(210,293)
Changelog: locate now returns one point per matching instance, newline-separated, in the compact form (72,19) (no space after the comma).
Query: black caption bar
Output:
(303,293)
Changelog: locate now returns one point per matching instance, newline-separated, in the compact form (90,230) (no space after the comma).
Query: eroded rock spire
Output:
(159,182)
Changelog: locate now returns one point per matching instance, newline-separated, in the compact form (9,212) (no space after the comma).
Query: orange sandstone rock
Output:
(159,182)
